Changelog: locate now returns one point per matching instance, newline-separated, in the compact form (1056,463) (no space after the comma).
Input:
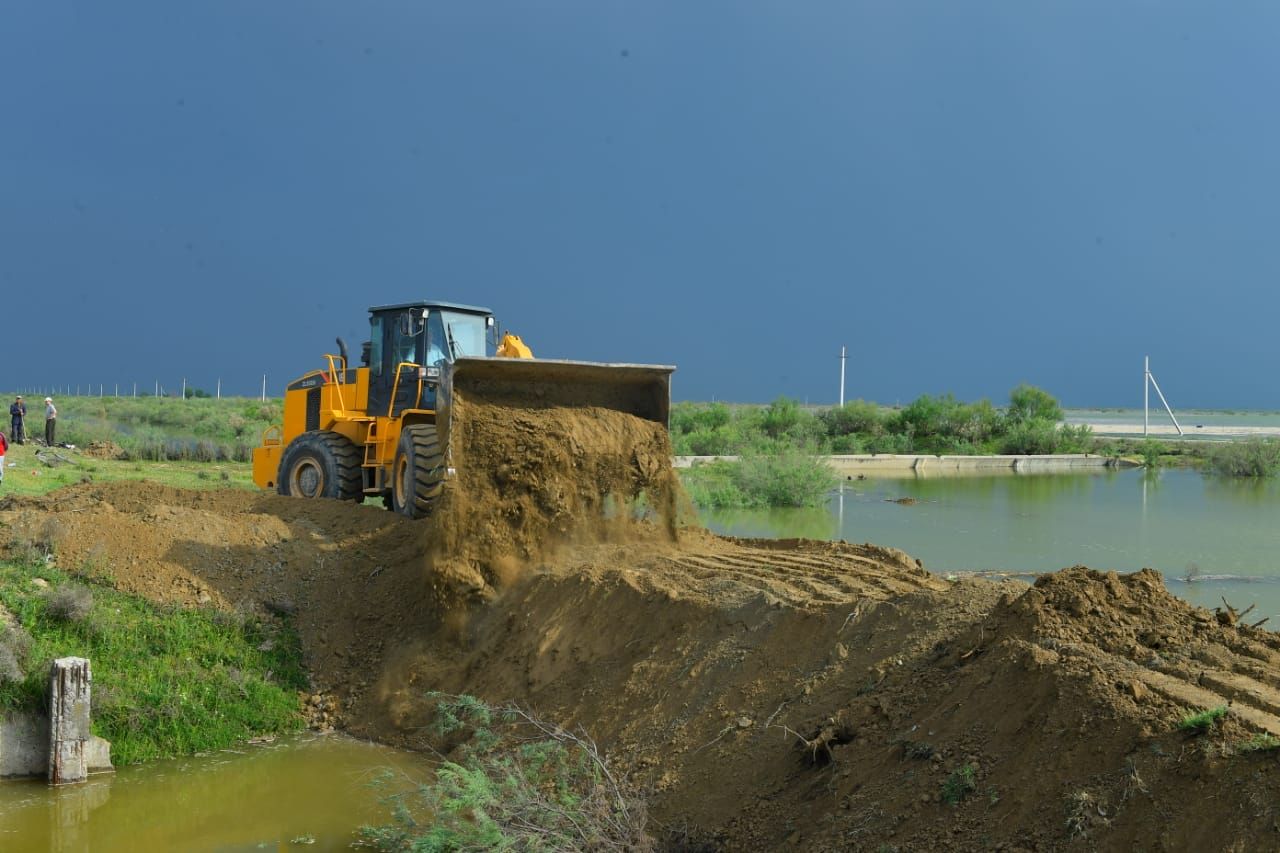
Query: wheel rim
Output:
(306,479)
(402,481)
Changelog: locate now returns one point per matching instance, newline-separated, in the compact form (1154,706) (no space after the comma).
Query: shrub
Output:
(518,783)
(787,479)
(856,416)
(1255,457)
(15,645)
(1075,439)
(1151,451)
(1029,403)
(69,602)
(1035,436)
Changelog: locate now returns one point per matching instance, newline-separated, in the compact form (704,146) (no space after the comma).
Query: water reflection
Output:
(806,523)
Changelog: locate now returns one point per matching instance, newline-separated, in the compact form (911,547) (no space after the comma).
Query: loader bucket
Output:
(643,390)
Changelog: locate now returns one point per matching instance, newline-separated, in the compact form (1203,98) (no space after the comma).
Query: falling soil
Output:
(766,694)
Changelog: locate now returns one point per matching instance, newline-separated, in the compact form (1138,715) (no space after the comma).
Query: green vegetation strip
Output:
(167,681)
(162,428)
(777,443)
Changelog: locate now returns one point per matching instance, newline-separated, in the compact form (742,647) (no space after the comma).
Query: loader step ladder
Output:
(373,461)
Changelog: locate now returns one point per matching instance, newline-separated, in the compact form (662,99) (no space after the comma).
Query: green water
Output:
(303,793)
(1179,522)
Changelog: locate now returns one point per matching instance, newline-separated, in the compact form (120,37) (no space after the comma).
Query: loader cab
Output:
(411,342)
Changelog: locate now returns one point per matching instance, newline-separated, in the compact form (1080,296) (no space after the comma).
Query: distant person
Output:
(4,446)
(18,416)
(50,420)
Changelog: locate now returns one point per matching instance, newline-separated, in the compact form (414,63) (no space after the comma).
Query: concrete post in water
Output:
(68,720)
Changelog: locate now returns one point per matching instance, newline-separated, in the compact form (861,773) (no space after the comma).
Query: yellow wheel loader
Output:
(382,428)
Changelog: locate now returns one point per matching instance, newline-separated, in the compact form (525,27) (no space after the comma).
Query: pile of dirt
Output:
(538,469)
(104,450)
(766,694)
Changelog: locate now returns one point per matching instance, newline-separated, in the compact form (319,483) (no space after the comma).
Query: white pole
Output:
(219,388)
(184,388)
(1146,394)
(264,387)
(135,388)
(157,387)
(842,360)
(1166,404)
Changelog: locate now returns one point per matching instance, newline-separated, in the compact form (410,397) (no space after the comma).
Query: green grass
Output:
(167,681)
(161,428)
(25,475)
(1201,722)
(1261,742)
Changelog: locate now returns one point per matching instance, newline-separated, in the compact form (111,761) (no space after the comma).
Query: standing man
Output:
(50,420)
(18,417)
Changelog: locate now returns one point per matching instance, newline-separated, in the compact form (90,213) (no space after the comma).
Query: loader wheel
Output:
(321,464)
(418,476)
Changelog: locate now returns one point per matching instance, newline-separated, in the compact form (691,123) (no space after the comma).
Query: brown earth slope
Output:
(767,694)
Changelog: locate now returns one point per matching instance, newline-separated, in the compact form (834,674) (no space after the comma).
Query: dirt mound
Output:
(768,694)
(103,450)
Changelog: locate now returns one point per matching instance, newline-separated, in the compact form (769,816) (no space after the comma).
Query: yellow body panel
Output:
(343,408)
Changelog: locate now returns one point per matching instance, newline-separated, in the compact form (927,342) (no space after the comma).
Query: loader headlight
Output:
(431,372)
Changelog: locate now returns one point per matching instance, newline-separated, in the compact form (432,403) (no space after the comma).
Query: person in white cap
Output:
(50,420)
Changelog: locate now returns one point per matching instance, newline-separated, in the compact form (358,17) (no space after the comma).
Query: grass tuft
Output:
(1203,721)
(961,783)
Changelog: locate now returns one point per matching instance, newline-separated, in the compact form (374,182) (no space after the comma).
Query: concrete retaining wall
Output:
(911,465)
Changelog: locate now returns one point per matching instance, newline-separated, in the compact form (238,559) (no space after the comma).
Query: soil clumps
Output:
(538,469)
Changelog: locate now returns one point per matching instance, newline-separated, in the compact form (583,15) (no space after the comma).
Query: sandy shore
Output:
(1189,430)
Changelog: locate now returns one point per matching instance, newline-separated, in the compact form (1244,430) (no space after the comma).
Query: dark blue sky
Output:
(967,195)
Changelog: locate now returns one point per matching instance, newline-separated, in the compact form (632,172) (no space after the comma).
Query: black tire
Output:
(321,464)
(417,476)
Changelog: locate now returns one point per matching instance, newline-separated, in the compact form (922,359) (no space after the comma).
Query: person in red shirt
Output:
(4,448)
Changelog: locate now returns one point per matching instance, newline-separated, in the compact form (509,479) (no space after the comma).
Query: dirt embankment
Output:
(768,694)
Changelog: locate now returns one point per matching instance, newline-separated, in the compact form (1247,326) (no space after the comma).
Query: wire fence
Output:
(156,388)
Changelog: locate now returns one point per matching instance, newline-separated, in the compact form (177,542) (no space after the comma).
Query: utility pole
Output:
(842,361)
(264,387)
(1150,379)
(219,387)
(184,388)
